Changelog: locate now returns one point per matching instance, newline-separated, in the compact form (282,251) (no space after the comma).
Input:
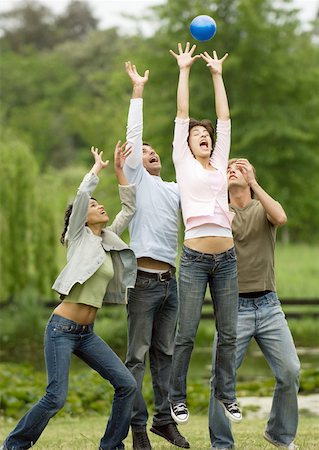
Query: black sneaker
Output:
(232,411)
(179,412)
(171,434)
(141,440)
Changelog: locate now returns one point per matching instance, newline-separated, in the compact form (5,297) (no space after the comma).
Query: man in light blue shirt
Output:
(152,303)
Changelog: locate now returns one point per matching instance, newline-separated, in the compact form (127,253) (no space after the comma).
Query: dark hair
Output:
(67,216)
(202,123)
(146,143)
(233,161)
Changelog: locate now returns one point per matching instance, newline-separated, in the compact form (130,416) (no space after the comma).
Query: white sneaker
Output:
(291,446)
(179,412)
(232,411)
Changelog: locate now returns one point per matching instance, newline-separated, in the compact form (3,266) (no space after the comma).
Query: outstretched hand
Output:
(99,164)
(121,152)
(215,65)
(136,78)
(185,57)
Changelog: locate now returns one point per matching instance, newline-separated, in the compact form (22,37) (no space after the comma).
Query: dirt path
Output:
(260,406)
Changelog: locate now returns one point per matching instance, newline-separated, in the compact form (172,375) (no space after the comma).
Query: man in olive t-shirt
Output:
(260,315)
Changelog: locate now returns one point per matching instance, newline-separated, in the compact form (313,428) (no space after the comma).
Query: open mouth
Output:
(153,160)
(204,145)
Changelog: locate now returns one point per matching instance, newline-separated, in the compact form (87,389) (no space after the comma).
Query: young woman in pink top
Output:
(208,256)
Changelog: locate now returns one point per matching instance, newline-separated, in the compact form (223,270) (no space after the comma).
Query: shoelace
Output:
(233,408)
(180,408)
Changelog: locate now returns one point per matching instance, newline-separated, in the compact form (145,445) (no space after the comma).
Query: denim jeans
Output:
(262,318)
(219,271)
(62,338)
(152,315)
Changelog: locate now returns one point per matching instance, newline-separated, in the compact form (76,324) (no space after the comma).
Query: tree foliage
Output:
(64,89)
(27,257)
(31,24)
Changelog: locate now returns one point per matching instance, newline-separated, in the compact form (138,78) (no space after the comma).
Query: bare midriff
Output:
(150,263)
(78,312)
(210,244)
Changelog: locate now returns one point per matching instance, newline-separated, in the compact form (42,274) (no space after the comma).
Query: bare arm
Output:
(184,59)
(275,212)
(216,68)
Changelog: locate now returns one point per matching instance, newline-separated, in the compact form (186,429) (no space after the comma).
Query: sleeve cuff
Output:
(182,121)
(136,101)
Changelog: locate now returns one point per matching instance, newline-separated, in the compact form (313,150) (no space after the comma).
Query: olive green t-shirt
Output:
(255,239)
(92,291)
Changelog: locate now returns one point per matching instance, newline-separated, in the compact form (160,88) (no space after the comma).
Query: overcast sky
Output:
(109,12)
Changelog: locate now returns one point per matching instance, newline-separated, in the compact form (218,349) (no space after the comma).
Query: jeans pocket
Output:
(231,254)
(62,328)
(142,283)
(188,258)
(273,302)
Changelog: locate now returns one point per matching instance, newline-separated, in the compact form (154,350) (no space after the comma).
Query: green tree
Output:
(29,24)
(271,75)
(76,21)
(26,222)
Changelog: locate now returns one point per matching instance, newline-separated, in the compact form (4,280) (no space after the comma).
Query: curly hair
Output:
(67,215)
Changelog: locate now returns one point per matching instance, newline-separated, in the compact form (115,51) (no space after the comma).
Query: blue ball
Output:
(202,28)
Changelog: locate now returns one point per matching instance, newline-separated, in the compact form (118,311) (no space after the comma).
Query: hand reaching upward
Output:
(120,155)
(99,163)
(121,152)
(215,65)
(138,80)
(185,58)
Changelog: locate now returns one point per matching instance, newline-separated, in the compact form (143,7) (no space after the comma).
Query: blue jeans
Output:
(263,319)
(219,271)
(152,315)
(62,338)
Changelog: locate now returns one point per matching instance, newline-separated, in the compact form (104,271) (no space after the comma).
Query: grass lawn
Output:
(297,271)
(84,434)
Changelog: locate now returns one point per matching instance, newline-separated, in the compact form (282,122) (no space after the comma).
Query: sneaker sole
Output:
(155,431)
(229,416)
(178,420)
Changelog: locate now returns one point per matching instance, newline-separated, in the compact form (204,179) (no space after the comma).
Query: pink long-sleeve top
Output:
(204,193)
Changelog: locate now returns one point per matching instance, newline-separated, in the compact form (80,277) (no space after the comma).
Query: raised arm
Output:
(215,66)
(138,81)
(81,203)
(275,212)
(134,132)
(120,155)
(185,60)
(126,191)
